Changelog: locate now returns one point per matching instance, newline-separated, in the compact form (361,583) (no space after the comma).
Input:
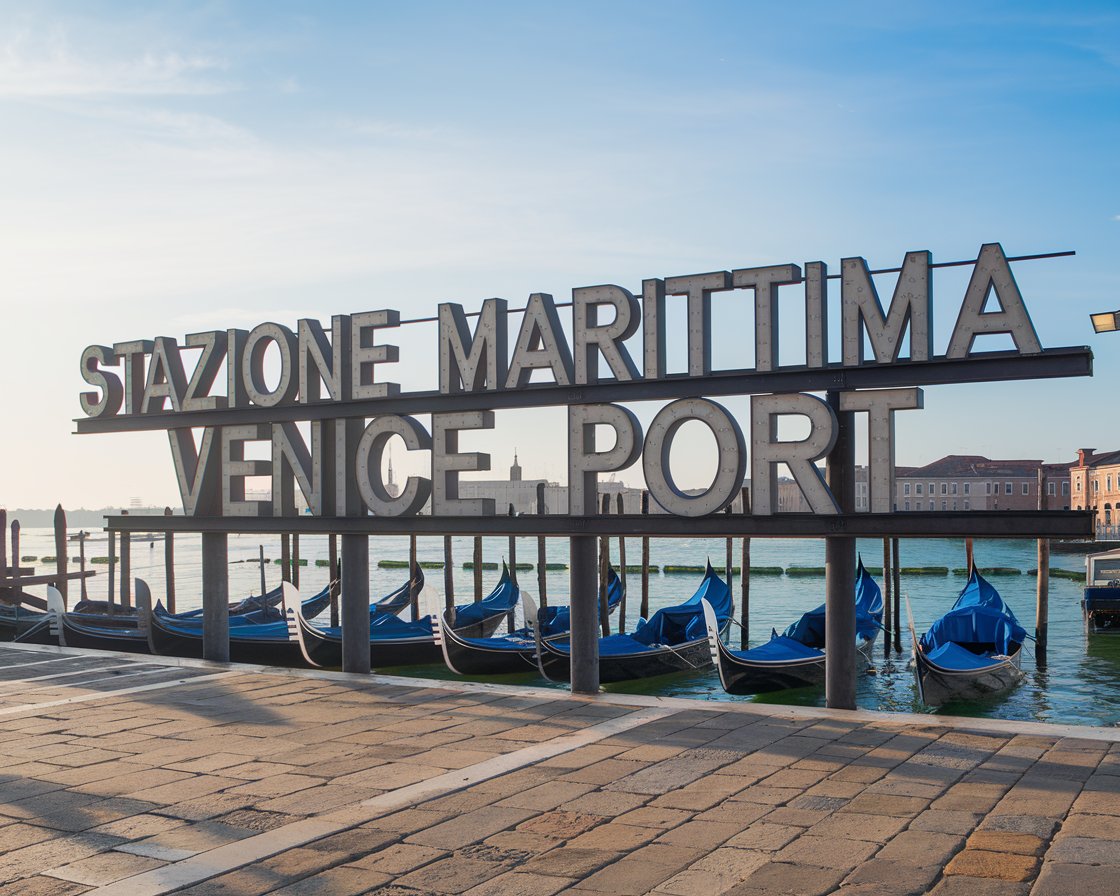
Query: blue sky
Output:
(178,167)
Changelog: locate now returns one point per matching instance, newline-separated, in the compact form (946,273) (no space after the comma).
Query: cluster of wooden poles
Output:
(587,558)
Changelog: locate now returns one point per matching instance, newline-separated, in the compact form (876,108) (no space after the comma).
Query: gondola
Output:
(795,658)
(133,633)
(260,637)
(516,651)
(674,639)
(397,642)
(971,652)
(18,621)
(89,617)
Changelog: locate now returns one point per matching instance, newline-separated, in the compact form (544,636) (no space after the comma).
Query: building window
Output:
(1096,486)
(943,505)
(1079,485)
(966,506)
(1007,489)
(944,488)
(907,505)
(966,487)
(1026,488)
(1051,488)
(917,488)
(954,505)
(995,488)
(932,488)
(1108,483)
(987,488)
(1065,487)
(906,490)
(953,490)
(931,505)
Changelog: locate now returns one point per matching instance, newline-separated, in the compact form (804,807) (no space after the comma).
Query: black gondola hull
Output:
(555,664)
(325,651)
(743,677)
(938,685)
(257,651)
(469,658)
(126,640)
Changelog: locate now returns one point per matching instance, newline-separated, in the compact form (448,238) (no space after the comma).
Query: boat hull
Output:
(258,651)
(556,663)
(325,650)
(938,685)
(739,676)
(745,676)
(1100,610)
(127,640)
(504,656)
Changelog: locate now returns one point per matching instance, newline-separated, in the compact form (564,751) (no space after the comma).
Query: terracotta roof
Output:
(972,465)
(1097,460)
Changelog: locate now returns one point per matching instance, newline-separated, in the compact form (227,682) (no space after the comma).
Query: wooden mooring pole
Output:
(16,560)
(168,566)
(1042,595)
(621,570)
(477,568)
(126,568)
(285,557)
(63,583)
(413,568)
(335,575)
(81,560)
(643,610)
(542,554)
(604,567)
(745,564)
(897,576)
(887,599)
(448,575)
(261,562)
(112,593)
(295,559)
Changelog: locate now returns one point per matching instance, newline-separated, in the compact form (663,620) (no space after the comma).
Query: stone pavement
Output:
(126,775)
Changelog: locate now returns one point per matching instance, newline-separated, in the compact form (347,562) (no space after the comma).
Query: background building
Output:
(1095,483)
(973,482)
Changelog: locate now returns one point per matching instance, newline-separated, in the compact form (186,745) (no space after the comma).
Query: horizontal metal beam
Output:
(985,367)
(975,523)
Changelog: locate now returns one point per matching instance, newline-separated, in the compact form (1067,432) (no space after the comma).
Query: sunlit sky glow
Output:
(174,168)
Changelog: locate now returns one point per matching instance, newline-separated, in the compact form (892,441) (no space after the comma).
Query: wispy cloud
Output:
(392,130)
(34,65)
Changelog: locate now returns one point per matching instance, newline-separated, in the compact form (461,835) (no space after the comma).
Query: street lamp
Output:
(1105,321)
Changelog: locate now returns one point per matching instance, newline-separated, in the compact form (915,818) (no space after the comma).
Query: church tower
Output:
(515,470)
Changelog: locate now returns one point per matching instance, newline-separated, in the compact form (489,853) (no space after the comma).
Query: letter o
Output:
(731,463)
(252,365)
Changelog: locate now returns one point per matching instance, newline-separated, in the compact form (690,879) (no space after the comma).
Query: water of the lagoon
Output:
(1080,685)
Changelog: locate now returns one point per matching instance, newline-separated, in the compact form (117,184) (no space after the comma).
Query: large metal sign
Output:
(340,379)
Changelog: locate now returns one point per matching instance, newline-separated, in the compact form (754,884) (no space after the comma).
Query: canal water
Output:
(1080,684)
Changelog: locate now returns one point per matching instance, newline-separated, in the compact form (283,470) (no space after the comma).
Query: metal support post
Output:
(583,586)
(215,597)
(355,603)
(840,570)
